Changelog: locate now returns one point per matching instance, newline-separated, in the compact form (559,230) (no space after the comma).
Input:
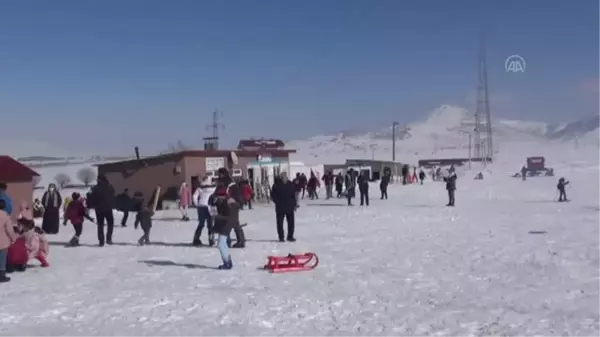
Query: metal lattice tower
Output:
(215,126)
(483,118)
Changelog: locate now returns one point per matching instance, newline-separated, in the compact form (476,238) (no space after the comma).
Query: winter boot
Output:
(3,277)
(196,242)
(227,265)
(291,239)
(141,241)
(74,242)
(211,240)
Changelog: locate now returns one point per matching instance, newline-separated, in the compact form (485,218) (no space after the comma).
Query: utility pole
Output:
(394,125)
(469,151)
(215,126)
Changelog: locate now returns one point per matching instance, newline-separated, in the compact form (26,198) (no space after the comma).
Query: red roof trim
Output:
(11,170)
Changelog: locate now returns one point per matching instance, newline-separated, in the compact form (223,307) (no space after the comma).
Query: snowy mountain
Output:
(445,133)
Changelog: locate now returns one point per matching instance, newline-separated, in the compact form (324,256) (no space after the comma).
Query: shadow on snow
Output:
(168,263)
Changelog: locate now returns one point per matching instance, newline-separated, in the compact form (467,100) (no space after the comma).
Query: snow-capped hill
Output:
(448,117)
(574,129)
(443,133)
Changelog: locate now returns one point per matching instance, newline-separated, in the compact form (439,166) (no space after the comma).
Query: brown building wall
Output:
(145,178)
(20,192)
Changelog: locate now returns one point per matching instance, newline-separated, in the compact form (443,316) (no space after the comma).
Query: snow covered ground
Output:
(508,260)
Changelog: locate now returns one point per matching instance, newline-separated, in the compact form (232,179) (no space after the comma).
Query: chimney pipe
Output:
(137,153)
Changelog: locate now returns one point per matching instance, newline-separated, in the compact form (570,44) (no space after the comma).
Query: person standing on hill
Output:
(339,184)
(103,200)
(328,181)
(350,182)
(297,188)
(383,185)
(51,202)
(283,195)
(363,188)
(450,187)
(422,176)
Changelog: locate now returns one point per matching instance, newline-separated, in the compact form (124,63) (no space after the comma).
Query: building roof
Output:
(176,156)
(11,170)
(266,144)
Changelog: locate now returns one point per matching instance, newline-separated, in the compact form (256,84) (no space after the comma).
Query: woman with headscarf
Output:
(51,202)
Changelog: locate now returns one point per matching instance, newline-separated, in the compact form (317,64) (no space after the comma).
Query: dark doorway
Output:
(195,183)
(251,177)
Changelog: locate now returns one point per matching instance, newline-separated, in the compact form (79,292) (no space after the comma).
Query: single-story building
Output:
(169,170)
(20,181)
(374,167)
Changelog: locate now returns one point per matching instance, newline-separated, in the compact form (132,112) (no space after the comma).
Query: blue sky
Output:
(108,75)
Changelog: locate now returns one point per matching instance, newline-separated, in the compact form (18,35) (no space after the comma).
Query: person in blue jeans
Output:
(227,201)
(200,199)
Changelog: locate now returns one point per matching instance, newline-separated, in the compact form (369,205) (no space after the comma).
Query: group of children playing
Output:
(20,244)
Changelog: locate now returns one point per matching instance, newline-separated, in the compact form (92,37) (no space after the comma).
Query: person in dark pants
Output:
(136,206)
(200,200)
(103,200)
(76,213)
(339,184)
(422,176)
(283,194)
(405,169)
(363,188)
(145,217)
(524,173)
(124,204)
(350,183)
(562,183)
(383,185)
(451,188)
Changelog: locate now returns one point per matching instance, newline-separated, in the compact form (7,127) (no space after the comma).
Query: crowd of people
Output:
(217,202)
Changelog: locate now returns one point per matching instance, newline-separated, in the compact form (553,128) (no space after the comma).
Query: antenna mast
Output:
(483,147)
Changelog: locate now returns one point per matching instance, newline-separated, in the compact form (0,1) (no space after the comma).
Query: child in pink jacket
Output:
(7,237)
(36,242)
(185,199)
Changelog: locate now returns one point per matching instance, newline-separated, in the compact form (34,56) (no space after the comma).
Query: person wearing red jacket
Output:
(248,193)
(76,213)
(17,254)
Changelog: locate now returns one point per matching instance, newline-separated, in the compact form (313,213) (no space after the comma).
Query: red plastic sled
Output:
(300,262)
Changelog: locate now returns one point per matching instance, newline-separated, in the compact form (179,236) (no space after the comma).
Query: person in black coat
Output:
(562,194)
(383,185)
(450,187)
(350,182)
(51,201)
(103,202)
(234,192)
(283,195)
(363,188)
(339,184)
(125,205)
(422,176)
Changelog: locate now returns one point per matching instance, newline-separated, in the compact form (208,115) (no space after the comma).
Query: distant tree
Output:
(62,180)
(36,180)
(86,175)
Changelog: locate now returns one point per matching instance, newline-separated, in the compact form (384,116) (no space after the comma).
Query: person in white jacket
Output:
(200,200)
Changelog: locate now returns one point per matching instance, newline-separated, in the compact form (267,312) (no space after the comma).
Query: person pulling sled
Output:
(562,195)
